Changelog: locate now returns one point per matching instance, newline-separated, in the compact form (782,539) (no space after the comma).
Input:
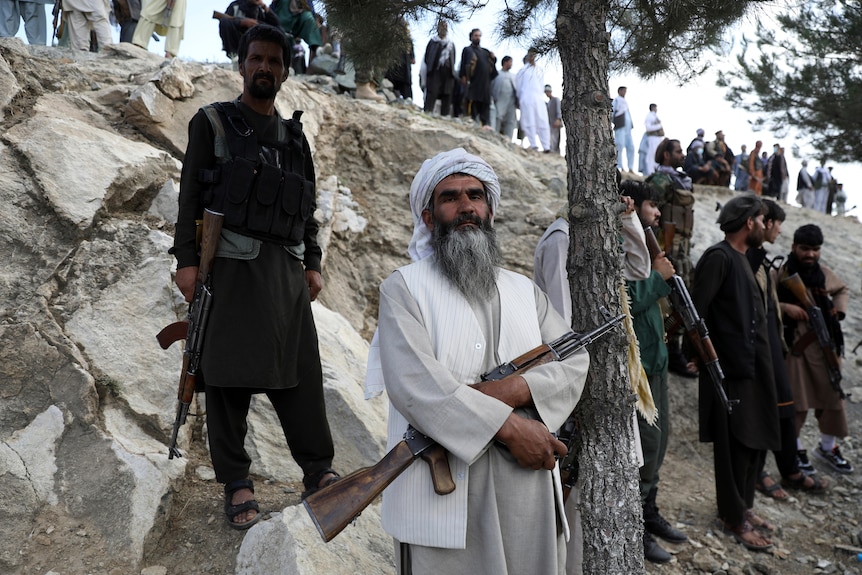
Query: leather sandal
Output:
(232,511)
(775,491)
(759,522)
(312,482)
(739,531)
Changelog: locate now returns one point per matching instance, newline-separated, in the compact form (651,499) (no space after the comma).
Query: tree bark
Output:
(610,503)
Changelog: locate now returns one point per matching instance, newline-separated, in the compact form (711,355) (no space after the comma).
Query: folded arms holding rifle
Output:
(334,507)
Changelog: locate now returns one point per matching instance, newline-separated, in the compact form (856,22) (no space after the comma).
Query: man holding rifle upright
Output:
(247,164)
(444,320)
(649,326)
(727,298)
(676,202)
(808,365)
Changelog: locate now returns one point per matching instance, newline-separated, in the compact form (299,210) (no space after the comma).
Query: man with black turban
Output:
(806,364)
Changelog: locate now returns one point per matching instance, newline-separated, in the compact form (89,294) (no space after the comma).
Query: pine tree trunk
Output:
(610,502)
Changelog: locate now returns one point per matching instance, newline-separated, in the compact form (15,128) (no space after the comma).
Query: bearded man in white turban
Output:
(445,319)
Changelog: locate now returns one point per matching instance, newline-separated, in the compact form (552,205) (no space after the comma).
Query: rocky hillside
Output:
(91,146)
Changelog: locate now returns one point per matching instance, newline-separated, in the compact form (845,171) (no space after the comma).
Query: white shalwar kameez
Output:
(652,124)
(530,84)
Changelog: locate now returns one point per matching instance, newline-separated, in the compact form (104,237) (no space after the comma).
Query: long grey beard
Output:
(469,257)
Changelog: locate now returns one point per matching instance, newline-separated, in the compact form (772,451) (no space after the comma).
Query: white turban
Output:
(432,172)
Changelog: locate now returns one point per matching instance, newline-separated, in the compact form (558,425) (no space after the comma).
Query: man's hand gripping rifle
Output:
(334,507)
(194,328)
(685,315)
(818,325)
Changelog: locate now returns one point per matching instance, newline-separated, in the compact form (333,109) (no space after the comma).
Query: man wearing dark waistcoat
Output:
(245,162)
(478,70)
(727,297)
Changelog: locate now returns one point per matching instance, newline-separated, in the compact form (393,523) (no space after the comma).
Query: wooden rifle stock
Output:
(817,323)
(668,230)
(173,332)
(194,326)
(331,508)
(685,315)
(334,507)
(652,243)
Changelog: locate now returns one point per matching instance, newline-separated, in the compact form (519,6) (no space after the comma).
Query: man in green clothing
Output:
(297,19)
(649,326)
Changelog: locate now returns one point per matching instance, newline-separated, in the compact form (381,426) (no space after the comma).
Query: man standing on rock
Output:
(445,319)
(478,70)
(728,299)
(806,364)
(34,16)
(245,162)
(506,99)
(654,136)
(165,17)
(81,16)
(529,82)
(623,130)
(436,72)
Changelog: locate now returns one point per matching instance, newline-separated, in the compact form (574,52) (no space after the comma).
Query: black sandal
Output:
(232,511)
(312,482)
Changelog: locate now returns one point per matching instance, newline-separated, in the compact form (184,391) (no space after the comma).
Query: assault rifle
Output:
(222,16)
(818,325)
(57,24)
(685,315)
(194,328)
(334,507)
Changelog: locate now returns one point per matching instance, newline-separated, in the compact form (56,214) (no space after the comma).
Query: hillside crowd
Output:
(713,163)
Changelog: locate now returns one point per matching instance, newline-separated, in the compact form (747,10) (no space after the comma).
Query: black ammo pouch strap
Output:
(261,195)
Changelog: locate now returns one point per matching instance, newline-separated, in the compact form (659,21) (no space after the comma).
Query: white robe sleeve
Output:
(459,417)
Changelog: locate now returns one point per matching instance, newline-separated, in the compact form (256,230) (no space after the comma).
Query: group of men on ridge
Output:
(491,97)
(712,162)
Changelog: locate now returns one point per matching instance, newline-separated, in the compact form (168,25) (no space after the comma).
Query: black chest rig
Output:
(260,187)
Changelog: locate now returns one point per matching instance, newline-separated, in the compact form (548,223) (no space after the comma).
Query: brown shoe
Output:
(365,91)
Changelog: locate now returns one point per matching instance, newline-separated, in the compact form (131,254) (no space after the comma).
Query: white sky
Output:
(683,110)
